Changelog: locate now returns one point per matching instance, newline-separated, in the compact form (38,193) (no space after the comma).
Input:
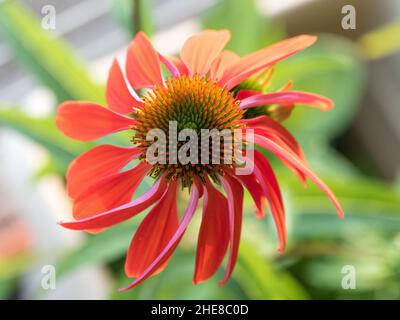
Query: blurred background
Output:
(354,148)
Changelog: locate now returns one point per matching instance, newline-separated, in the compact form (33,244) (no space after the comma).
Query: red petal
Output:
(256,192)
(264,125)
(119,99)
(110,192)
(121,213)
(298,163)
(170,247)
(153,234)
(287,98)
(97,163)
(213,236)
(143,67)
(253,62)
(243,94)
(89,121)
(270,186)
(224,60)
(234,191)
(200,50)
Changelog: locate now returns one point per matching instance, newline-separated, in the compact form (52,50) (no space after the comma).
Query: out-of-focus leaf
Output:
(48,58)
(260,279)
(7,287)
(133,15)
(332,68)
(44,132)
(381,42)
(250,30)
(105,247)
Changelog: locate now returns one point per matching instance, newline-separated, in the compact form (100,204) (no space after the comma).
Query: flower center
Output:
(193,103)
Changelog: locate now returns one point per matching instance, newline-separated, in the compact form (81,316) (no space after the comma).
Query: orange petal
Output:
(253,62)
(178,64)
(120,213)
(95,164)
(200,50)
(224,60)
(213,236)
(153,234)
(110,192)
(89,121)
(143,66)
(119,99)
(234,191)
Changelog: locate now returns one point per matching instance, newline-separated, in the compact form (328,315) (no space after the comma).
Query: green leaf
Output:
(250,30)
(44,132)
(48,58)
(332,68)
(261,279)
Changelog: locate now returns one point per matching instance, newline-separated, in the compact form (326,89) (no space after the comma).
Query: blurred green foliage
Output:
(319,243)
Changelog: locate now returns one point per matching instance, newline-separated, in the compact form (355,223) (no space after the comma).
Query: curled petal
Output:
(119,99)
(200,50)
(296,162)
(234,191)
(89,121)
(173,242)
(256,61)
(143,66)
(153,234)
(213,236)
(224,60)
(287,98)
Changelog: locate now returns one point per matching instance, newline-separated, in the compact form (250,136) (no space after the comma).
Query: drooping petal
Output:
(143,66)
(253,62)
(234,192)
(287,98)
(270,186)
(119,99)
(253,186)
(200,50)
(121,213)
(224,60)
(97,163)
(110,192)
(89,121)
(264,125)
(170,247)
(296,162)
(213,236)
(153,234)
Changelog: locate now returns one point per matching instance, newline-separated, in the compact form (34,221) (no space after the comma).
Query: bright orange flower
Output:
(206,88)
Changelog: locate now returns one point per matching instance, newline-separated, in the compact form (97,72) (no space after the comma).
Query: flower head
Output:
(206,88)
